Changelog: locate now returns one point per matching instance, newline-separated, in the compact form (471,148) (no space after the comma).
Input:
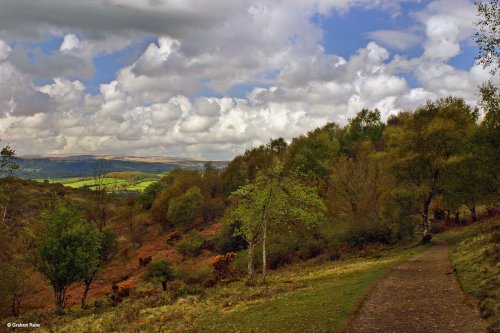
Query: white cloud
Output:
(150,108)
(401,40)
(70,42)
(446,27)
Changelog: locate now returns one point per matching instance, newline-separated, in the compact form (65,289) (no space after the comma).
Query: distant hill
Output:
(81,165)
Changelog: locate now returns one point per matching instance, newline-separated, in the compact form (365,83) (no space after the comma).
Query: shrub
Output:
(223,269)
(150,193)
(191,244)
(160,270)
(182,209)
(225,241)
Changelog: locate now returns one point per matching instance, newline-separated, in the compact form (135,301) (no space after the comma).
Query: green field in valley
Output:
(118,181)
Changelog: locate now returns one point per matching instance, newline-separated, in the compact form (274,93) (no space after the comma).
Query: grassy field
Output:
(141,186)
(108,182)
(310,297)
(123,181)
(475,255)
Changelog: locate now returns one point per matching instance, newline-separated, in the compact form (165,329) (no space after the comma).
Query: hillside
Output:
(318,293)
(475,258)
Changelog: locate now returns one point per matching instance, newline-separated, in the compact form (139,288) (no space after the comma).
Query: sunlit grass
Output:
(475,255)
(310,297)
(141,186)
(109,182)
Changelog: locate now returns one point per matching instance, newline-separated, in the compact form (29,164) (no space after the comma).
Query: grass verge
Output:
(310,297)
(475,254)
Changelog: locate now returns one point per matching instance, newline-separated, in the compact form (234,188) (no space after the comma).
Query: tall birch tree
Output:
(271,200)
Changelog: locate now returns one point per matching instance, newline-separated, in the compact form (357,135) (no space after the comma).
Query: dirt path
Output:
(420,295)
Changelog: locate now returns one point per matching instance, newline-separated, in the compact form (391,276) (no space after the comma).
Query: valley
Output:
(59,166)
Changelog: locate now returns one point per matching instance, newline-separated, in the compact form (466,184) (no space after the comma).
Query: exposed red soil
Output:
(124,269)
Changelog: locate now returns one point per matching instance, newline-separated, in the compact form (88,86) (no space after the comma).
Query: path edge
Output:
(347,325)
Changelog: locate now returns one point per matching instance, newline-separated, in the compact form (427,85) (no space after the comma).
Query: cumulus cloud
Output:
(446,27)
(157,105)
(70,43)
(401,40)
(95,18)
(18,95)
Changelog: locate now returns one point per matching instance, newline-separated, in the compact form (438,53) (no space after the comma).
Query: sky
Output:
(211,78)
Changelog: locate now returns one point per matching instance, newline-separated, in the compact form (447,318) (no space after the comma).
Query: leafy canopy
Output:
(182,209)
(159,271)
(68,248)
(274,199)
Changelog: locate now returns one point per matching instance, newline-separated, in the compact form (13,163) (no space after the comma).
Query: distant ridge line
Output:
(119,157)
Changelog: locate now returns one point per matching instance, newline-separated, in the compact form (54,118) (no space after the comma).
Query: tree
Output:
(487,35)
(8,163)
(177,182)
(273,199)
(147,197)
(98,208)
(366,126)
(108,247)
(311,155)
(277,146)
(160,271)
(130,214)
(487,139)
(66,251)
(490,103)
(357,185)
(244,168)
(182,209)
(424,148)
(12,287)
(474,179)
(248,222)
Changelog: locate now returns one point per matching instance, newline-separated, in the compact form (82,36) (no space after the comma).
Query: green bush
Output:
(191,244)
(160,271)
(225,241)
(182,209)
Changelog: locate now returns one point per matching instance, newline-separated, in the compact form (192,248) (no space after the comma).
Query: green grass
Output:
(310,297)
(475,255)
(63,180)
(141,186)
(111,182)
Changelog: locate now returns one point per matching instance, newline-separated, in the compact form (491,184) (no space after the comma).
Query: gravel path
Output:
(419,295)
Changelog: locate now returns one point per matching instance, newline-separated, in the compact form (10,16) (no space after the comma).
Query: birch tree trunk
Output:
(250,263)
(4,214)
(425,221)
(264,254)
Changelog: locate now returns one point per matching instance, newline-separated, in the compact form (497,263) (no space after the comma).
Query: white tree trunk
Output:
(250,263)
(264,254)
